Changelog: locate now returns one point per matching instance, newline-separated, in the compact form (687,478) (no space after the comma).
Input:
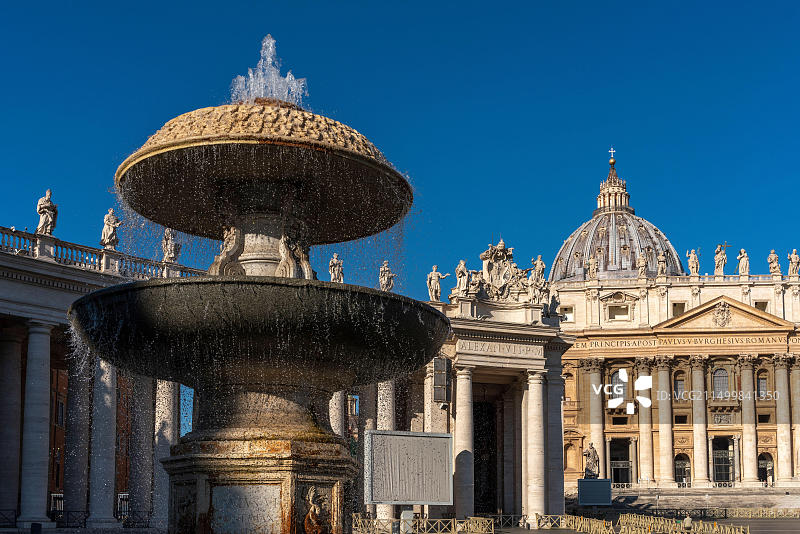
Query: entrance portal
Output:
(766,469)
(722,455)
(620,459)
(683,471)
(485,457)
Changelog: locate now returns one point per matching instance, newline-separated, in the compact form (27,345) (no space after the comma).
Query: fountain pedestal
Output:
(260,461)
(259,486)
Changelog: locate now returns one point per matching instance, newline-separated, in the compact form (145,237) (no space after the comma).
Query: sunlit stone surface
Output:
(265,345)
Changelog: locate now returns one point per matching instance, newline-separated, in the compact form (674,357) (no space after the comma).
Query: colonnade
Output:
(89,463)
(787,413)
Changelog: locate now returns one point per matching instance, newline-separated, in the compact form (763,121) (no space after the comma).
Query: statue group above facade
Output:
(499,279)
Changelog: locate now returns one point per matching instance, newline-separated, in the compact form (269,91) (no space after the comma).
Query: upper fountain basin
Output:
(221,163)
(259,331)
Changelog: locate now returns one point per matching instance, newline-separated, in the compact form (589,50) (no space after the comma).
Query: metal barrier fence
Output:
(506,520)
(642,524)
(721,513)
(471,525)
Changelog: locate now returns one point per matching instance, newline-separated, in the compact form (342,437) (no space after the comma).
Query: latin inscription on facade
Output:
(681,341)
(495,348)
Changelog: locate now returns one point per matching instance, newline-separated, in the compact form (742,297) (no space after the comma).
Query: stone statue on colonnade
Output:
(48,213)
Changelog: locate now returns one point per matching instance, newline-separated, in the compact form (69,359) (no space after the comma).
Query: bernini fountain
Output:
(261,340)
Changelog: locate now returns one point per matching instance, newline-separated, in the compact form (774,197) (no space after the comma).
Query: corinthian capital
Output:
(782,360)
(643,364)
(664,361)
(747,361)
(698,361)
(592,365)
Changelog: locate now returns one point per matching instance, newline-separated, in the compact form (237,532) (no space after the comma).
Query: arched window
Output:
(616,381)
(679,385)
(761,384)
(720,383)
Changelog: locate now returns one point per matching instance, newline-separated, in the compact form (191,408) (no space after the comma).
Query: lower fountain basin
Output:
(259,331)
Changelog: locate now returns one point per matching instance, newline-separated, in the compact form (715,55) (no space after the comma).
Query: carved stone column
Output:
(795,386)
(644,368)
(666,471)
(337,407)
(36,428)
(736,459)
(633,454)
(699,428)
(166,430)
(779,292)
(386,421)
(428,395)
(644,312)
(537,500)
(593,368)
(783,416)
(749,437)
(662,303)
(102,466)
(367,414)
(464,446)
(607,449)
(11,417)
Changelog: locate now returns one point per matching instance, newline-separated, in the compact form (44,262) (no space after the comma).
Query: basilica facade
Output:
(722,353)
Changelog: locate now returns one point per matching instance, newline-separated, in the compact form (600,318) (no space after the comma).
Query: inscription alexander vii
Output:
(496,348)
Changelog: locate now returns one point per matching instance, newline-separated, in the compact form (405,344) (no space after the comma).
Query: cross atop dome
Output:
(613,191)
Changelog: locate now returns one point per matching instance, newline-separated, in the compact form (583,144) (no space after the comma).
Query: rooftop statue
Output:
(744,263)
(434,286)
(48,213)
(662,264)
(774,263)
(641,265)
(794,263)
(169,245)
(336,269)
(386,277)
(462,279)
(694,263)
(109,238)
(720,260)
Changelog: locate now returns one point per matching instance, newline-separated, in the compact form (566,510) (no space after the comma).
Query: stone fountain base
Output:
(259,486)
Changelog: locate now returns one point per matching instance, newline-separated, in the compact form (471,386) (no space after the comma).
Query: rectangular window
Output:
(619,420)
(762,305)
(761,386)
(763,418)
(678,308)
(441,380)
(618,313)
(568,313)
(680,388)
(681,419)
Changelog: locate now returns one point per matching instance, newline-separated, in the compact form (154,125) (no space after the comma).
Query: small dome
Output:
(616,237)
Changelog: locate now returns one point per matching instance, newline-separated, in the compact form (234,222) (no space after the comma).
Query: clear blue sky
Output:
(501,114)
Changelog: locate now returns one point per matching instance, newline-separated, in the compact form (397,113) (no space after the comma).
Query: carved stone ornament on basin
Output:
(263,343)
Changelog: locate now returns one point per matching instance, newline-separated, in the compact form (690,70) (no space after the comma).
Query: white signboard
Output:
(408,468)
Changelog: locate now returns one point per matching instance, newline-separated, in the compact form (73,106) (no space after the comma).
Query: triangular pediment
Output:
(724,313)
(618,297)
